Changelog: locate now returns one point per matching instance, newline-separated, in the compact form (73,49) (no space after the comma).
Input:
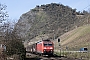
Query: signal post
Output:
(59,45)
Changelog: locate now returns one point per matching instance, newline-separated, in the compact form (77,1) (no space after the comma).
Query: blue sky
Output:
(16,8)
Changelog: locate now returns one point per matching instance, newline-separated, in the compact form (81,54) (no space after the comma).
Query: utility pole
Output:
(54,34)
(87,19)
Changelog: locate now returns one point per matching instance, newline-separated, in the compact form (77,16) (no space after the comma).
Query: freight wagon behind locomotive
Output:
(31,48)
(44,47)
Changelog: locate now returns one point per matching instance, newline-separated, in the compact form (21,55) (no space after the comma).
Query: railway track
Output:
(45,57)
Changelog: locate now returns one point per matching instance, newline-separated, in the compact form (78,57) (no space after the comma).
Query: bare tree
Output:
(3,17)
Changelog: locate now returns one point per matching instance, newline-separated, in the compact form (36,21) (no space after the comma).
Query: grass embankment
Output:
(74,40)
(77,38)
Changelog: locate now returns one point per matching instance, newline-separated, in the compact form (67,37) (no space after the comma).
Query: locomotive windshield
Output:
(47,44)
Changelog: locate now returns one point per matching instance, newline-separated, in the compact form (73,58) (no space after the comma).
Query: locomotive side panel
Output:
(39,47)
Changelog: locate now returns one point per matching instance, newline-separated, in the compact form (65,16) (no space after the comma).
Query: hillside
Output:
(77,38)
(50,19)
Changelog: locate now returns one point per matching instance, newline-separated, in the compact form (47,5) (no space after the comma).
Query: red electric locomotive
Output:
(45,47)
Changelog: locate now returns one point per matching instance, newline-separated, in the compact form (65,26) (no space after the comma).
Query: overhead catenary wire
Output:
(86,6)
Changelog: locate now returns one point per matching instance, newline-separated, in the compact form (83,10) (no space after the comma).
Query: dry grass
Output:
(75,39)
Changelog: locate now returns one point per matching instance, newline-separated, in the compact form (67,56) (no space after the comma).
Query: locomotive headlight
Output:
(44,47)
(51,48)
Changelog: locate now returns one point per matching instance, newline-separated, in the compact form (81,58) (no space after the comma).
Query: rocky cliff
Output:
(50,19)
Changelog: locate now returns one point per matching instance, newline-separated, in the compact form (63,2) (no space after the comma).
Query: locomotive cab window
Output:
(47,44)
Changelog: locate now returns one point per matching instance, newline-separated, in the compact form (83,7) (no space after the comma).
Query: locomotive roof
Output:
(46,40)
